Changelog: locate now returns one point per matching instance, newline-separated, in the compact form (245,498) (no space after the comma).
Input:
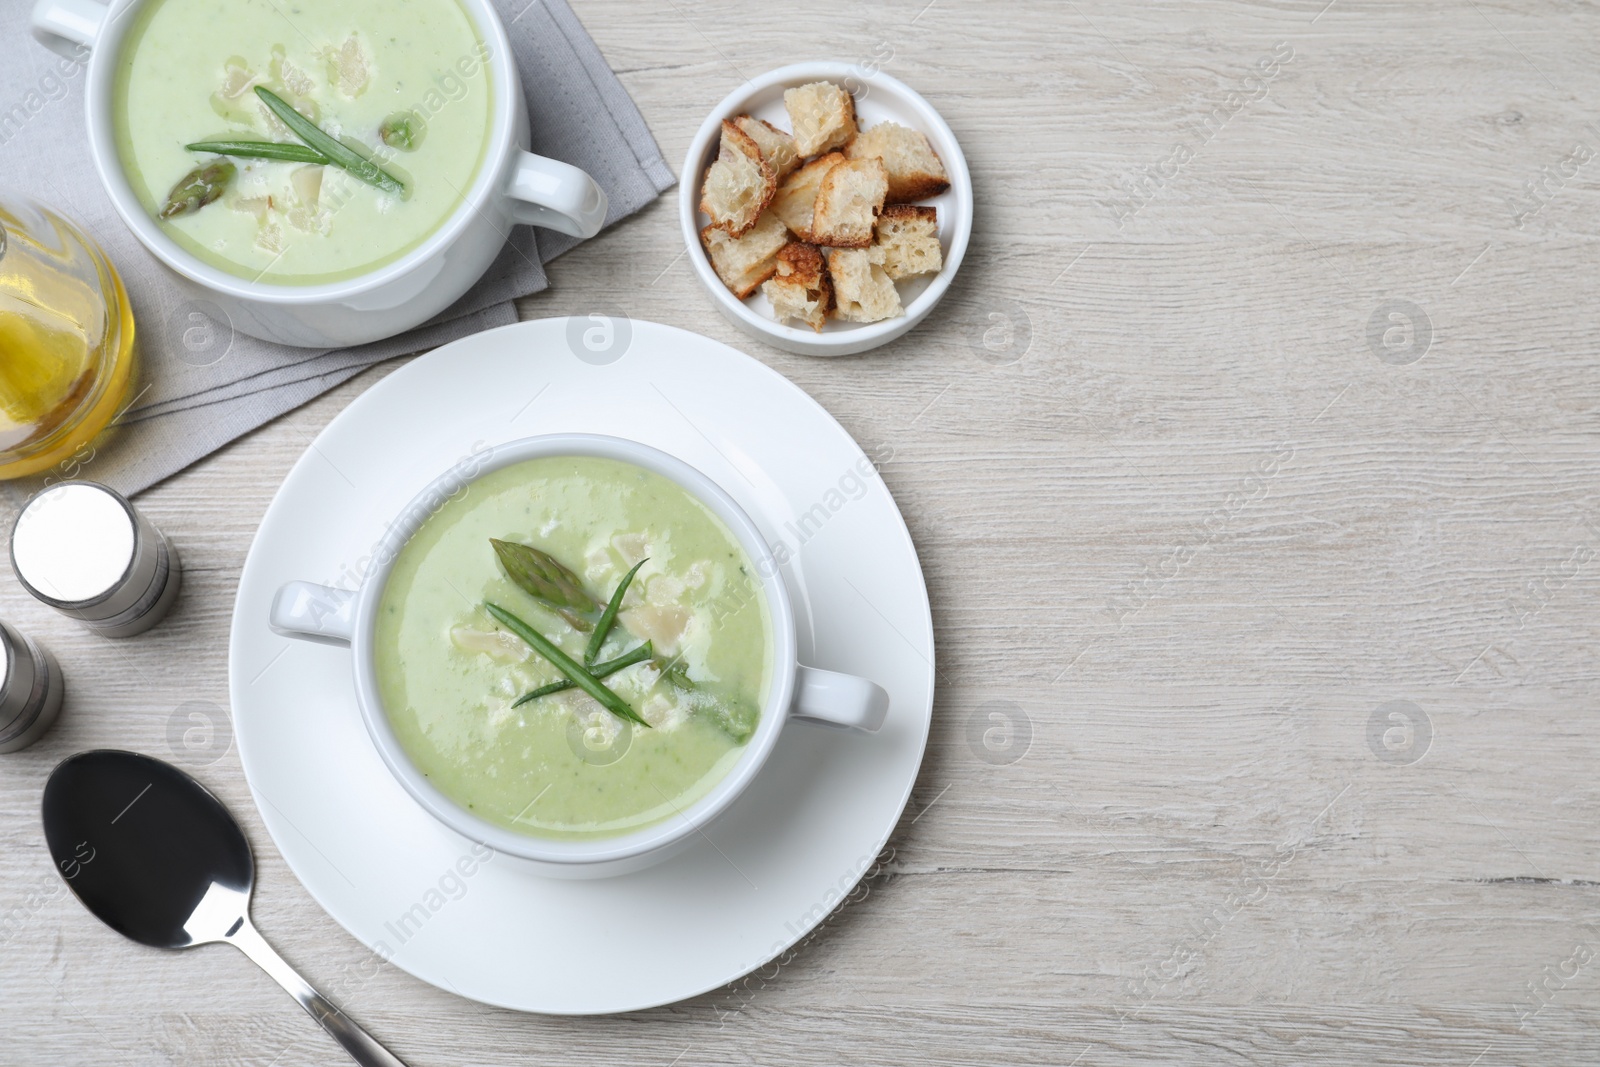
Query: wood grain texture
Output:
(1191,531)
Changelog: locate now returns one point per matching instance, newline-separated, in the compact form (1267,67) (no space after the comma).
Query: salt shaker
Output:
(82,549)
(30,690)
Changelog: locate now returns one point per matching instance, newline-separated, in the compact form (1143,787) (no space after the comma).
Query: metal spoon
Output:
(158,859)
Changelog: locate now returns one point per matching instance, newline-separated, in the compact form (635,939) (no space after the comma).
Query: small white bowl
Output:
(879,98)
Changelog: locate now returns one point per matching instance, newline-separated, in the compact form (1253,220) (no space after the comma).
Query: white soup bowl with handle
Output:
(344,617)
(513,186)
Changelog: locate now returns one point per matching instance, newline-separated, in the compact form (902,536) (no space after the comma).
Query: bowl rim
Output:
(98,107)
(578,853)
(864,335)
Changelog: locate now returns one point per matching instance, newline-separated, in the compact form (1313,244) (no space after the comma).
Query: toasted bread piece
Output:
(908,239)
(915,172)
(848,202)
(777,147)
(745,262)
(822,116)
(801,289)
(798,196)
(863,291)
(739,185)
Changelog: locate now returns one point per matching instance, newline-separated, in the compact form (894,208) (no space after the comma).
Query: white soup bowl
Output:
(512,186)
(333,616)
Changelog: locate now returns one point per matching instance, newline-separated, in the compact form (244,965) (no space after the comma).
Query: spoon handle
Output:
(363,1048)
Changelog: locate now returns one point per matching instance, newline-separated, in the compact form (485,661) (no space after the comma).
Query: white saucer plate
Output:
(788,850)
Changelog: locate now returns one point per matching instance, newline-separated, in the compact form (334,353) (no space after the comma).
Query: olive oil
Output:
(66,341)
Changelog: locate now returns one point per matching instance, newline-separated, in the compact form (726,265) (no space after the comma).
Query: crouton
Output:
(745,262)
(908,237)
(798,196)
(739,185)
(848,202)
(915,172)
(800,289)
(777,147)
(863,292)
(822,115)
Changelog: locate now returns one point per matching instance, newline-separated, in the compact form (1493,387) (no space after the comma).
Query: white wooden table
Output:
(1253,464)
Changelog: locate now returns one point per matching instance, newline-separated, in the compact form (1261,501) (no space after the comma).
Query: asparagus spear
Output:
(403,130)
(599,670)
(542,577)
(609,617)
(564,663)
(675,673)
(198,188)
(737,719)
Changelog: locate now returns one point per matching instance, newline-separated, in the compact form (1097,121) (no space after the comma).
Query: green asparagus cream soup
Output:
(523,569)
(300,142)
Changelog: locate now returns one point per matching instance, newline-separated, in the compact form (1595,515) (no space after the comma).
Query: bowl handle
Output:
(838,700)
(556,195)
(68,27)
(312,612)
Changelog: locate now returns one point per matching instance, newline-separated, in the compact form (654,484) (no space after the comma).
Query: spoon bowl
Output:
(156,857)
(141,844)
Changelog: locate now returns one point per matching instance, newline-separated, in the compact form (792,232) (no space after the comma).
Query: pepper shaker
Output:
(30,690)
(82,549)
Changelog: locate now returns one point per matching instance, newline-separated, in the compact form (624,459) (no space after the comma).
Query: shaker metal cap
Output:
(74,543)
(11,705)
(30,690)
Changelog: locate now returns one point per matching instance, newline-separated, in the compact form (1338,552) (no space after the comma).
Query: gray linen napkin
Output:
(202,385)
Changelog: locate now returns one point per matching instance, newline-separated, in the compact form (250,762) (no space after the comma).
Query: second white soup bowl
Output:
(320,613)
